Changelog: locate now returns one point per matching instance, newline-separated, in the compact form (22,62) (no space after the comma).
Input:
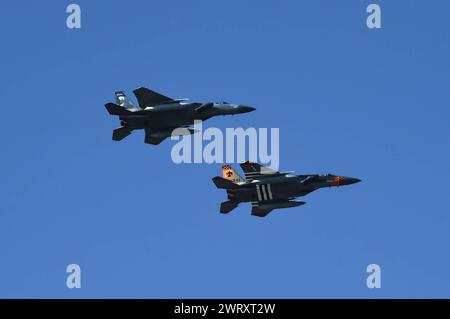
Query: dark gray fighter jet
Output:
(267,189)
(159,115)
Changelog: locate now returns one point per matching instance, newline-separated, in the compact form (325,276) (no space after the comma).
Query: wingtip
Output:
(140,88)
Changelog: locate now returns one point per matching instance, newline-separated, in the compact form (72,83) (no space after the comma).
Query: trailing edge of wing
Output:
(149,139)
(263,208)
(148,97)
(155,138)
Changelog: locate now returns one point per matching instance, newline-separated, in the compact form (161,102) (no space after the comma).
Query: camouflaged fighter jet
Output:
(159,115)
(267,189)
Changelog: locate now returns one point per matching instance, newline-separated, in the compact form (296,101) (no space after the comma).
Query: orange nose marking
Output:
(337,180)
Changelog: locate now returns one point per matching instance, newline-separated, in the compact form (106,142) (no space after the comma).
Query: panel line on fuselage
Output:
(264,191)
(258,192)
(269,190)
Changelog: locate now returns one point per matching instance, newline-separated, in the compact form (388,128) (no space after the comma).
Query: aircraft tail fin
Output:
(115,109)
(120,133)
(224,183)
(230,174)
(228,206)
(123,101)
(254,170)
(148,97)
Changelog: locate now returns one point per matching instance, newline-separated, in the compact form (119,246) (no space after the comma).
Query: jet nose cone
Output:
(342,180)
(245,109)
(351,180)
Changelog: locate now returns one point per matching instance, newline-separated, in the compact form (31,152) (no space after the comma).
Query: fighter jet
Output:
(267,189)
(159,115)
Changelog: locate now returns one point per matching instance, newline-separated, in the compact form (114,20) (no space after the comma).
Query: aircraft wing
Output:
(263,208)
(253,170)
(156,137)
(261,211)
(148,97)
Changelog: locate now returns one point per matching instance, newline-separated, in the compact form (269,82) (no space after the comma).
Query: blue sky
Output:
(348,100)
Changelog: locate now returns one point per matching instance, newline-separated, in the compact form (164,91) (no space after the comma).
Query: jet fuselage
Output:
(160,115)
(171,115)
(285,186)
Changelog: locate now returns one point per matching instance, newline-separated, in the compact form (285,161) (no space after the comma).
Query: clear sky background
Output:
(372,104)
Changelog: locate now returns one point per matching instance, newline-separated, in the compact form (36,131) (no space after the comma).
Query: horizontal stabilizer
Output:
(228,206)
(120,133)
(115,109)
(224,183)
